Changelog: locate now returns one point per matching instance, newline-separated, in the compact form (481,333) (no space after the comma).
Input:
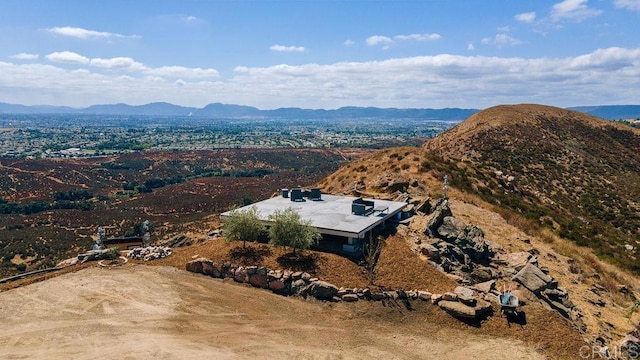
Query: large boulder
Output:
(440,211)
(349,297)
(516,260)
(210,268)
(277,286)
(485,287)
(196,266)
(532,278)
(430,251)
(240,275)
(465,295)
(458,309)
(322,290)
(259,280)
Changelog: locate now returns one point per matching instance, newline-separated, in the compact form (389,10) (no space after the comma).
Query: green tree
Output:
(243,225)
(288,229)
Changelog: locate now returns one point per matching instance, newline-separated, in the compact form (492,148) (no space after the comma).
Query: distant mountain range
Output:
(218,110)
(230,111)
(611,112)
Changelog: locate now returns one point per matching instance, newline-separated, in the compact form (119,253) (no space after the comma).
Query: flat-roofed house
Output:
(344,221)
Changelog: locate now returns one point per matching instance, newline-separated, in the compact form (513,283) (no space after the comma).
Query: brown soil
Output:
(141,312)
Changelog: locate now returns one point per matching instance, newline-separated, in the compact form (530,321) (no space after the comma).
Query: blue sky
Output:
(320,54)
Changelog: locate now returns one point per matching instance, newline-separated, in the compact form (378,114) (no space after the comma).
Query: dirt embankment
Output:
(141,312)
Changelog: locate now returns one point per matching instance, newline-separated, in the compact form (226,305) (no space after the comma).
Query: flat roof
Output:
(331,215)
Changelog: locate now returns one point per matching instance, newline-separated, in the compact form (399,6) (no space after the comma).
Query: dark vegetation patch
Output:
(52,208)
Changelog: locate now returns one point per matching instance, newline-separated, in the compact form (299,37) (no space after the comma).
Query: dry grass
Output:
(399,268)
(329,267)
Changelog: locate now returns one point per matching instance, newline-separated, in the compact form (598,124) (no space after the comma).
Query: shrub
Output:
(288,229)
(243,225)
(112,253)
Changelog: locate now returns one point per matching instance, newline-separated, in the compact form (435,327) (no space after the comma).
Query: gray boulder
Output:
(440,211)
(298,286)
(532,278)
(458,309)
(485,287)
(349,297)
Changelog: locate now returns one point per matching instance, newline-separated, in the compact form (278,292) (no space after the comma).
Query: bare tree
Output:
(370,253)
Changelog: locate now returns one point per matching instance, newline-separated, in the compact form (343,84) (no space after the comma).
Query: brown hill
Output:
(573,172)
(552,182)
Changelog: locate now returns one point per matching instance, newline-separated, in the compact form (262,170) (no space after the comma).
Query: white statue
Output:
(145,233)
(100,240)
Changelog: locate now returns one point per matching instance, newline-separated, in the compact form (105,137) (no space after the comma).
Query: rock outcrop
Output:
(150,253)
(455,247)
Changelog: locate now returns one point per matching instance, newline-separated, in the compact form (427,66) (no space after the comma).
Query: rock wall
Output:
(464,302)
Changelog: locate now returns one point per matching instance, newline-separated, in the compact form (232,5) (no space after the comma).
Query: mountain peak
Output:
(522,123)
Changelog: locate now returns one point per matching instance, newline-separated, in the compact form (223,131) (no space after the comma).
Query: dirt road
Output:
(141,312)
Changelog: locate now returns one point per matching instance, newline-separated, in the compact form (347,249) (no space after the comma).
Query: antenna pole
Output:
(445,187)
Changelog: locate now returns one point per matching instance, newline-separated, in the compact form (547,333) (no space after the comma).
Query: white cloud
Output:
(378,39)
(505,40)
(117,62)
(386,41)
(282,48)
(501,40)
(67,57)
(470,47)
(573,10)
(25,56)
(628,4)
(190,19)
(610,75)
(349,43)
(131,66)
(527,18)
(418,37)
(81,33)
(181,72)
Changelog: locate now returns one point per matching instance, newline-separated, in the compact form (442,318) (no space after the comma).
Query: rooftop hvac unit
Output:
(285,193)
(297,195)
(315,194)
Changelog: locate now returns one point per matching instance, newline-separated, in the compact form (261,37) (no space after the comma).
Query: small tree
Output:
(370,254)
(288,229)
(243,225)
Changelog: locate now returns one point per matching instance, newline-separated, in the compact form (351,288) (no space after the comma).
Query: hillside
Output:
(555,183)
(565,170)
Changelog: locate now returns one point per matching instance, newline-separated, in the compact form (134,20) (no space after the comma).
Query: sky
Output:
(320,54)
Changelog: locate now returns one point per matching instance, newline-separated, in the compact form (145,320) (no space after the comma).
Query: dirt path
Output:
(140,312)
